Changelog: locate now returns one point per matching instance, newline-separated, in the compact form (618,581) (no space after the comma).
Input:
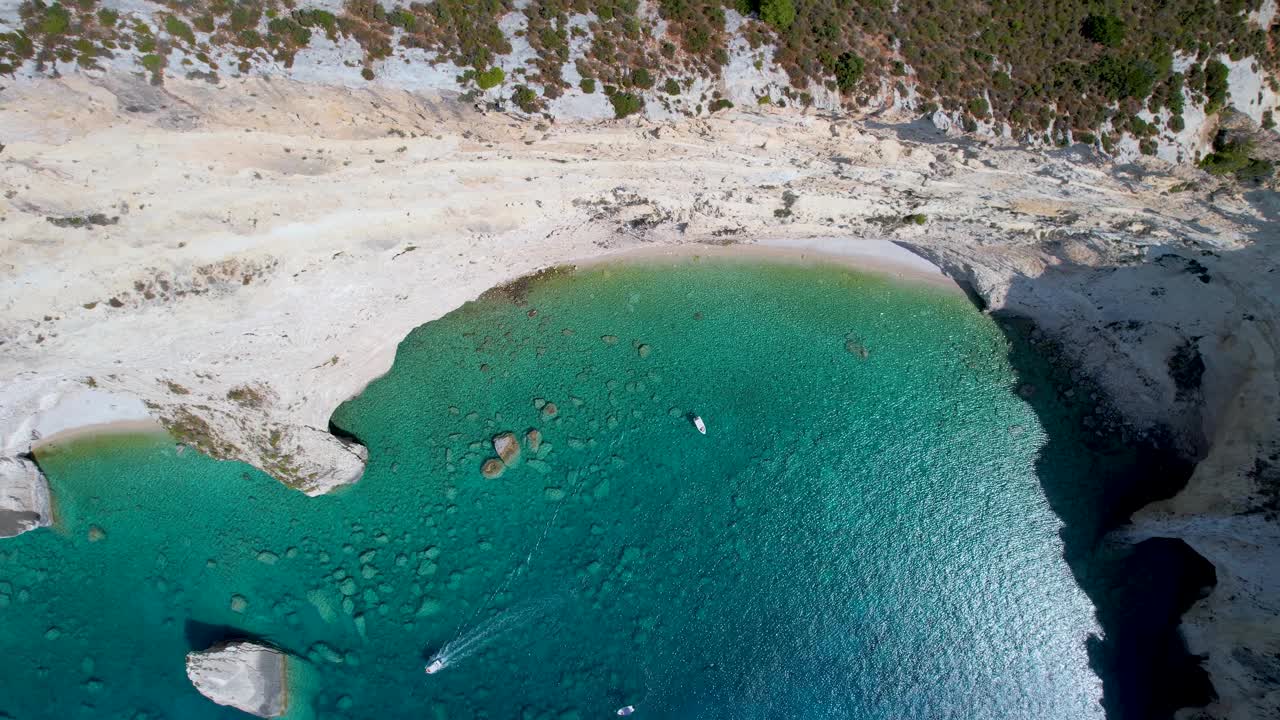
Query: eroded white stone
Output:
(24,497)
(244,675)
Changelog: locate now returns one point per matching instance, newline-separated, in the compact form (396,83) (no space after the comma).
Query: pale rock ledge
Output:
(243,675)
(24,497)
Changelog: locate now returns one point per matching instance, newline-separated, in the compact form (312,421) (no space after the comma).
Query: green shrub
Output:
(317,18)
(178,29)
(525,98)
(366,73)
(108,17)
(848,72)
(588,85)
(1124,78)
(671,87)
(56,20)
(1175,100)
(402,18)
(1177,124)
(1268,120)
(718,105)
(1215,86)
(1256,170)
(915,219)
(979,107)
(244,16)
(625,103)
(1224,162)
(1231,157)
(641,78)
(288,31)
(1104,29)
(153,63)
(490,78)
(778,13)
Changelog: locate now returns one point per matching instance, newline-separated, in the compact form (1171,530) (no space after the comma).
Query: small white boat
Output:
(435,667)
(624,711)
(702,427)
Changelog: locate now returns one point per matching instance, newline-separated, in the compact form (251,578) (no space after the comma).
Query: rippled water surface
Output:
(860,534)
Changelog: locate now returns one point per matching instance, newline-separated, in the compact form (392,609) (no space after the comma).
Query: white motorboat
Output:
(697,422)
(435,667)
(624,711)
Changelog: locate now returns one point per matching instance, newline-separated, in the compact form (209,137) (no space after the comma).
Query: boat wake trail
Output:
(472,641)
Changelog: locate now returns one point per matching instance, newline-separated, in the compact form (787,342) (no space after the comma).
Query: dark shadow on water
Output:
(202,636)
(1095,473)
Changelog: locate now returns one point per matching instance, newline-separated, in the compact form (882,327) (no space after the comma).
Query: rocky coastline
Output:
(265,264)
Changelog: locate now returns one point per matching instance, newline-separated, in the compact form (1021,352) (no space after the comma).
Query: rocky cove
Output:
(1160,299)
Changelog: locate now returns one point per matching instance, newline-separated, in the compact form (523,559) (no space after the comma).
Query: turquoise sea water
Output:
(861,533)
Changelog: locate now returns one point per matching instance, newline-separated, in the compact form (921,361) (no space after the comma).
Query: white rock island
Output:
(244,675)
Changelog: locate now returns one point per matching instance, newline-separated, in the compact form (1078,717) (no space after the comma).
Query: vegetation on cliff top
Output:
(1077,66)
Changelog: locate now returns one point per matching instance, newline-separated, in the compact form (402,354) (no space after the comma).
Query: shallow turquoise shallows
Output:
(860,534)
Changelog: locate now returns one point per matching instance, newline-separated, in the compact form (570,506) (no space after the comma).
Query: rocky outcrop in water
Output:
(507,447)
(24,497)
(492,468)
(243,675)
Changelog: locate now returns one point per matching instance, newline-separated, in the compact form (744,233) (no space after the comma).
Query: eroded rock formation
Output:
(24,497)
(243,675)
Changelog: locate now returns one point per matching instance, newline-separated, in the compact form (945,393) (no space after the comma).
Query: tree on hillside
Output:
(778,13)
(848,71)
(1104,29)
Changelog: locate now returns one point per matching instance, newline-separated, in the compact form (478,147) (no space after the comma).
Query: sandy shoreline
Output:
(87,413)
(880,257)
(118,427)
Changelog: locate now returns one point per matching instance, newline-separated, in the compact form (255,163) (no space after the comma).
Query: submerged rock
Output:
(507,447)
(492,468)
(24,497)
(243,675)
(534,439)
(854,347)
